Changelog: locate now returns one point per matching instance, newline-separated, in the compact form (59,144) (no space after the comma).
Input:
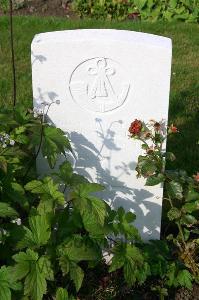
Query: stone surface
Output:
(105,79)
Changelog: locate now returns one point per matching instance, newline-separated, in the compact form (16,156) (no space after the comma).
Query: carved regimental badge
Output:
(98,84)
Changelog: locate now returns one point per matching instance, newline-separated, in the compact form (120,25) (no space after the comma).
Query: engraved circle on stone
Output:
(98,84)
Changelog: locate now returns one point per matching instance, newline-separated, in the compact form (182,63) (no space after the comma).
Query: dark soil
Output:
(59,8)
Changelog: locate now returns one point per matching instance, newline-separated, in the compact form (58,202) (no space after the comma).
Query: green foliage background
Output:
(153,10)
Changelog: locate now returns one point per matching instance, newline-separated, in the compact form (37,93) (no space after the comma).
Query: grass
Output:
(184,98)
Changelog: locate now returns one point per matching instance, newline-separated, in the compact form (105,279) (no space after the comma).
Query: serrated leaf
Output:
(84,190)
(35,187)
(192,195)
(92,209)
(62,294)
(46,187)
(93,215)
(54,142)
(188,220)
(146,165)
(174,189)
(77,275)
(171,274)
(38,234)
(154,179)
(7,211)
(35,270)
(184,278)
(117,262)
(64,263)
(14,284)
(191,206)
(174,214)
(46,267)
(35,283)
(79,248)
(5,292)
(129,272)
(65,171)
(23,260)
(130,217)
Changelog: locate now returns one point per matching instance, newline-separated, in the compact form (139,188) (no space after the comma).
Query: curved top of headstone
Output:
(103,35)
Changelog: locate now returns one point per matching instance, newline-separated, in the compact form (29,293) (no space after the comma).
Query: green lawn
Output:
(184,98)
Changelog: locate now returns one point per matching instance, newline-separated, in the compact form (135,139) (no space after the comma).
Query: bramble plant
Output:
(181,190)
(48,234)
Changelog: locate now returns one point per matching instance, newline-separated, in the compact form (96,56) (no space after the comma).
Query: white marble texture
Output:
(105,79)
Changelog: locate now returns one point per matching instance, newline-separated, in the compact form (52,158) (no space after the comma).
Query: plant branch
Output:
(13,55)
(38,150)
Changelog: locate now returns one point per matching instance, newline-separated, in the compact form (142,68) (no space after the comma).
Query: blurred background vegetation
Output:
(153,10)
(177,19)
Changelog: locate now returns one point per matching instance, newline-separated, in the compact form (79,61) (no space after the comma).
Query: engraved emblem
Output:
(98,84)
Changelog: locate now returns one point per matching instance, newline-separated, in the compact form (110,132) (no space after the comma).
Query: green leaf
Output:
(65,171)
(92,209)
(84,190)
(174,214)
(64,263)
(45,266)
(35,270)
(129,272)
(7,211)
(97,210)
(122,224)
(184,278)
(117,262)
(140,3)
(68,177)
(7,282)
(192,195)
(174,189)
(62,294)
(191,206)
(35,283)
(146,165)
(78,248)
(130,217)
(77,275)
(188,220)
(54,142)
(48,190)
(171,274)
(173,3)
(154,179)
(130,258)
(23,261)
(16,193)
(38,234)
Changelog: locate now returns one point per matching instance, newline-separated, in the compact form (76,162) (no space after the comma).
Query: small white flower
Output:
(12,142)
(16,221)
(37,112)
(4,145)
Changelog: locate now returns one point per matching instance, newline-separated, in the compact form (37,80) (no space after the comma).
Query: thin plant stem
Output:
(13,55)
(38,150)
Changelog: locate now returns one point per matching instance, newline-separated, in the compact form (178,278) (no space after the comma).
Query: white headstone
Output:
(105,79)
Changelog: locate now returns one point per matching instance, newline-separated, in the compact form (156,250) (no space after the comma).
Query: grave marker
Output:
(105,79)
